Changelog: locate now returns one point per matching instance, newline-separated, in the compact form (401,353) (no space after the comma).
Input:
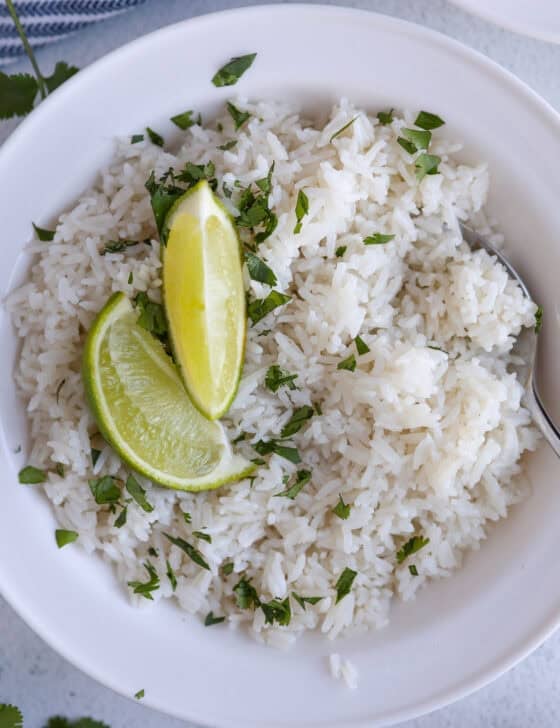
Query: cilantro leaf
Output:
(64,537)
(120,520)
(385,117)
(227,145)
(413,545)
(44,235)
(407,145)
(297,420)
(117,246)
(204,536)
(138,493)
(339,252)
(187,518)
(302,478)
(425,120)
(349,363)
(140,694)
(153,552)
(254,214)
(344,583)
(62,72)
(246,594)
(343,128)
(155,138)
(259,271)
(152,316)
(10,716)
(427,164)
(164,194)
(145,588)
(193,173)
(230,74)
(210,619)
(135,138)
(170,575)
(413,570)
(95,455)
(190,550)
(184,121)
(361,346)
(227,569)
(277,377)
(265,184)
(105,490)
(420,139)
(273,446)
(538,319)
(277,611)
(342,509)
(239,117)
(378,239)
(59,469)
(302,601)
(302,209)
(31,475)
(17,94)
(260,308)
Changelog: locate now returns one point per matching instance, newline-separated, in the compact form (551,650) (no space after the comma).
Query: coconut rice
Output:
(423,438)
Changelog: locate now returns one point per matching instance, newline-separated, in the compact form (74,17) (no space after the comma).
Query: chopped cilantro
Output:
(44,235)
(145,588)
(302,209)
(261,307)
(246,594)
(155,138)
(153,552)
(152,315)
(538,319)
(343,128)
(190,550)
(171,575)
(413,570)
(378,239)
(31,475)
(64,537)
(297,420)
(302,478)
(163,194)
(342,509)
(184,120)
(117,246)
(136,138)
(193,173)
(239,117)
(95,455)
(277,377)
(273,446)
(302,601)
(413,545)
(385,117)
(62,72)
(265,184)
(344,583)
(59,469)
(227,145)
(187,518)
(211,619)
(420,139)
(130,278)
(427,164)
(339,252)
(120,520)
(105,490)
(407,145)
(138,493)
(204,536)
(361,346)
(427,121)
(349,363)
(259,271)
(230,74)
(140,694)
(277,611)
(227,569)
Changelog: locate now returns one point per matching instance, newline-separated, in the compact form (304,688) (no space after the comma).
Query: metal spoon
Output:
(532,399)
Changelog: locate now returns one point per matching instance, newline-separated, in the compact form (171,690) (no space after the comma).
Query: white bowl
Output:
(459,633)
(537,18)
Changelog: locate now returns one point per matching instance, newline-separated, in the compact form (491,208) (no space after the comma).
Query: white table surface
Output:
(40,682)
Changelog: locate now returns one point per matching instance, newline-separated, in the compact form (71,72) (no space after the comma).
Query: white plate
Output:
(459,633)
(538,18)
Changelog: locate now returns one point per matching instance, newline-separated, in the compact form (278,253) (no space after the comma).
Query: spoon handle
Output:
(542,419)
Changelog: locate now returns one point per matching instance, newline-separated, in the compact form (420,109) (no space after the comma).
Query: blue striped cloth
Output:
(46,21)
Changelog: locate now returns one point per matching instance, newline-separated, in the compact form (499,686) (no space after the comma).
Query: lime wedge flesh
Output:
(204,299)
(142,408)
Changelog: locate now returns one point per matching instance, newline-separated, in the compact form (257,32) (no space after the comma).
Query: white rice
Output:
(418,440)
(342,669)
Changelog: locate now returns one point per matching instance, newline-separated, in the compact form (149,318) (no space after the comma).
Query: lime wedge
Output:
(205,299)
(143,411)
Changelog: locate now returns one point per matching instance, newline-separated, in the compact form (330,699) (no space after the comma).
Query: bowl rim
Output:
(468,55)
